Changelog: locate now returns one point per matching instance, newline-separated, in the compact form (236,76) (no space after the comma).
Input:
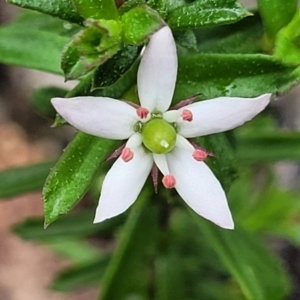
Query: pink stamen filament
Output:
(127,154)
(187,115)
(142,112)
(199,155)
(154,175)
(116,153)
(185,102)
(169,181)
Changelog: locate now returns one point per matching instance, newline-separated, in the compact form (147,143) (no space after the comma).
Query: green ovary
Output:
(159,136)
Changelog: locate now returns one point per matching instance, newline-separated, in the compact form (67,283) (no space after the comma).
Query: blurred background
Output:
(26,268)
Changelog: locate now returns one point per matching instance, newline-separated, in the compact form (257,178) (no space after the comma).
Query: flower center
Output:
(159,136)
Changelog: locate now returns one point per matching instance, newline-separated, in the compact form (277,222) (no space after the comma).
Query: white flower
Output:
(158,136)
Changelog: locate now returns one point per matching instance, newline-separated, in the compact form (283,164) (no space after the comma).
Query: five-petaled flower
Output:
(158,136)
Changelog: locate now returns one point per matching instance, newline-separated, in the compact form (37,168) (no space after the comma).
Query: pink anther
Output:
(127,154)
(169,181)
(199,155)
(142,112)
(187,115)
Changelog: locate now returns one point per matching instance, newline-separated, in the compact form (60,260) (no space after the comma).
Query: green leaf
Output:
(132,252)
(36,20)
(71,62)
(255,268)
(160,6)
(206,13)
(139,23)
(79,224)
(261,140)
(130,4)
(64,9)
(113,69)
(241,37)
(40,50)
(97,9)
(276,14)
(287,44)
(41,100)
(73,174)
(79,276)
(91,47)
(215,75)
(186,39)
(76,250)
(269,147)
(16,181)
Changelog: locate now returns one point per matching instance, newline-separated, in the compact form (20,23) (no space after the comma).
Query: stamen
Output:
(169,181)
(196,146)
(154,175)
(199,155)
(142,112)
(116,153)
(127,154)
(187,115)
(185,102)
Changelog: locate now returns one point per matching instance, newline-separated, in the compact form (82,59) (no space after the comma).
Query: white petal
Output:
(221,114)
(122,185)
(161,162)
(199,188)
(183,143)
(100,116)
(158,71)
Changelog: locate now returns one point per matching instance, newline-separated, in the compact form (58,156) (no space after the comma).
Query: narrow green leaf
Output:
(41,100)
(16,181)
(287,44)
(80,276)
(71,62)
(73,173)
(215,75)
(186,39)
(255,268)
(113,69)
(64,9)
(76,250)
(269,147)
(132,251)
(139,23)
(40,50)
(130,4)
(206,13)
(160,6)
(97,9)
(172,4)
(241,37)
(36,20)
(79,224)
